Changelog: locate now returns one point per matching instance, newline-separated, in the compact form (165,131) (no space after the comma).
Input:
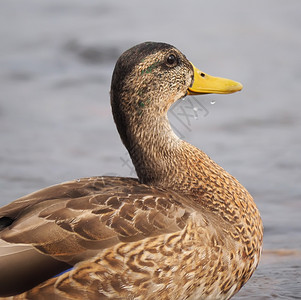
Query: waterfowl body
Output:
(185,229)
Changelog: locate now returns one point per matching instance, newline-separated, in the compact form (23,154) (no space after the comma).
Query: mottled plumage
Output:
(185,229)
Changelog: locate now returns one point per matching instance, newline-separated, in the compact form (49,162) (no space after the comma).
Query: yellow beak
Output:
(206,84)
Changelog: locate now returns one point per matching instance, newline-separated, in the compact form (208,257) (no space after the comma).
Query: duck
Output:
(183,229)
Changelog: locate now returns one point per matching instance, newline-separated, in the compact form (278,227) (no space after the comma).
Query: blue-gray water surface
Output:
(56,63)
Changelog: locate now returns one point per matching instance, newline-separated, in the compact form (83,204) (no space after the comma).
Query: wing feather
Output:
(78,219)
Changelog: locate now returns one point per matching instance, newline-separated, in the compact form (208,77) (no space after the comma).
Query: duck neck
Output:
(152,145)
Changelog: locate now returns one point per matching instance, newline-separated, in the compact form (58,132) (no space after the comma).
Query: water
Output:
(56,62)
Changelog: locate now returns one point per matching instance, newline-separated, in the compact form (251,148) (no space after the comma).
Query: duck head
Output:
(155,75)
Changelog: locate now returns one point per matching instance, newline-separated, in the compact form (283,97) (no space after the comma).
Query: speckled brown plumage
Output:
(186,230)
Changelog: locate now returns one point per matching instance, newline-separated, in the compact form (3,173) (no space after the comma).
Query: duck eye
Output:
(171,59)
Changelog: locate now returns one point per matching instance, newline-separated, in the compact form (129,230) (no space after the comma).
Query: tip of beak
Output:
(239,86)
(234,87)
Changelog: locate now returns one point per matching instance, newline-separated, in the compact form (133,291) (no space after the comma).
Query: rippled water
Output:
(55,121)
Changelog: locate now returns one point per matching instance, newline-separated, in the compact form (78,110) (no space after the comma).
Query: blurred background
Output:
(56,61)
